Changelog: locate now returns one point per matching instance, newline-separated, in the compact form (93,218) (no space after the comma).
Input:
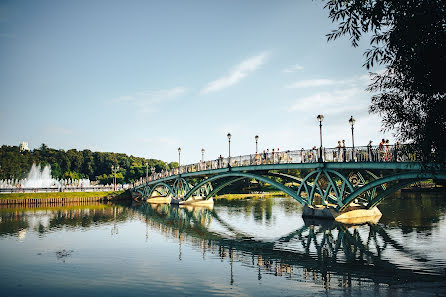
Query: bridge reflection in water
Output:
(330,255)
(325,252)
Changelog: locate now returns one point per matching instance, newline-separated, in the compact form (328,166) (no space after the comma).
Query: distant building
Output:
(24,146)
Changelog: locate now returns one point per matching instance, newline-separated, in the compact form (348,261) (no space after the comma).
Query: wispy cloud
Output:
(58,130)
(238,73)
(312,83)
(332,102)
(123,99)
(146,100)
(160,95)
(359,81)
(161,141)
(294,68)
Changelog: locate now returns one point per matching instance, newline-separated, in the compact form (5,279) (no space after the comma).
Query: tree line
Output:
(76,164)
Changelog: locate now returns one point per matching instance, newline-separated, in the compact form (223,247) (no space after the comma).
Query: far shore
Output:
(106,194)
(112,195)
(250,196)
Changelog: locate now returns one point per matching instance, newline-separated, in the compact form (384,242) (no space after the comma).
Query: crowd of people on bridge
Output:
(384,152)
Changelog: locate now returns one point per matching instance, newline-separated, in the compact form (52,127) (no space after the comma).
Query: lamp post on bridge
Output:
(114,170)
(320,118)
(179,159)
(229,141)
(147,172)
(202,155)
(257,140)
(352,123)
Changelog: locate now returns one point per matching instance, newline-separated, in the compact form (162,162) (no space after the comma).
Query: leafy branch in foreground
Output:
(408,38)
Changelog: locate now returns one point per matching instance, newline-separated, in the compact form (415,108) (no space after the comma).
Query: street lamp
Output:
(257,140)
(114,170)
(202,155)
(352,123)
(229,141)
(147,172)
(320,118)
(179,157)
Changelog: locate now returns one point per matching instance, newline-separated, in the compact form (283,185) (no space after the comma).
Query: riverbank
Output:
(437,189)
(59,195)
(250,196)
(62,197)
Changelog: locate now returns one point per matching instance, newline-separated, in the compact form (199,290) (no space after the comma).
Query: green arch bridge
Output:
(336,177)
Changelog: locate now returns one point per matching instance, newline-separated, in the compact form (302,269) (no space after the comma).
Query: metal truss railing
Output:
(386,153)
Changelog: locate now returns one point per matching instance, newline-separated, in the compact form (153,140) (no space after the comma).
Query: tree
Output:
(74,164)
(408,37)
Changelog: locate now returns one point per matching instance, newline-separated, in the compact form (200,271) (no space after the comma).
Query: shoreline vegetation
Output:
(281,194)
(120,195)
(73,164)
(250,196)
(109,195)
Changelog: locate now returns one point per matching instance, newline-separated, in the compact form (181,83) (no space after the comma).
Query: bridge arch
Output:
(403,178)
(267,180)
(223,185)
(310,186)
(154,187)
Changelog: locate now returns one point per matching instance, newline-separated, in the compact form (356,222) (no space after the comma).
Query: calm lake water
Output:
(258,247)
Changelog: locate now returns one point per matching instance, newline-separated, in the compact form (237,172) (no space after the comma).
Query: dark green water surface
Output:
(258,247)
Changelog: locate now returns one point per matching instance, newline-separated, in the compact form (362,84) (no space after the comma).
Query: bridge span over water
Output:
(330,177)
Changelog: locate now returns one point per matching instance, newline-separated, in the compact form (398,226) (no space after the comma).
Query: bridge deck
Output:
(267,167)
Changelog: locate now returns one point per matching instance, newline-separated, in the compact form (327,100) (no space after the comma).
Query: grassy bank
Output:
(59,207)
(250,196)
(109,194)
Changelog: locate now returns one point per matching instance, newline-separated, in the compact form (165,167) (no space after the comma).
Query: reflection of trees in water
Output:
(332,254)
(12,223)
(44,220)
(421,212)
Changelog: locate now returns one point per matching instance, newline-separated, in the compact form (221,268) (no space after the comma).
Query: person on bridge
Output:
(257,159)
(344,151)
(369,152)
(339,155)
(381,150)
(387,153)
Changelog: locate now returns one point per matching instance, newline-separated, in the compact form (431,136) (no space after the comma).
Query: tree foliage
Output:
(408,38)
(76,164)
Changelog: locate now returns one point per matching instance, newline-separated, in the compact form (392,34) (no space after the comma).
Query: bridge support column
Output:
(354,214)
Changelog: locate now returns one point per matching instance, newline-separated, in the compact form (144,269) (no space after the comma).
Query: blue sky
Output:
(145,77)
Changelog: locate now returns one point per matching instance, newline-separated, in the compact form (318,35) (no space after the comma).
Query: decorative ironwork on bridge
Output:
(336,176)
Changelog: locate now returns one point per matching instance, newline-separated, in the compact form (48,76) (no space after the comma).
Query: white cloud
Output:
(123,99)
(331,102)
(238,73)
(146,100)
(312,83)
(150,97)
(293,68)
(358,81)
(161,141)
(58,130)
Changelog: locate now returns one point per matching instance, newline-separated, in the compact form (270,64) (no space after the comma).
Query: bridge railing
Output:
(386,153)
